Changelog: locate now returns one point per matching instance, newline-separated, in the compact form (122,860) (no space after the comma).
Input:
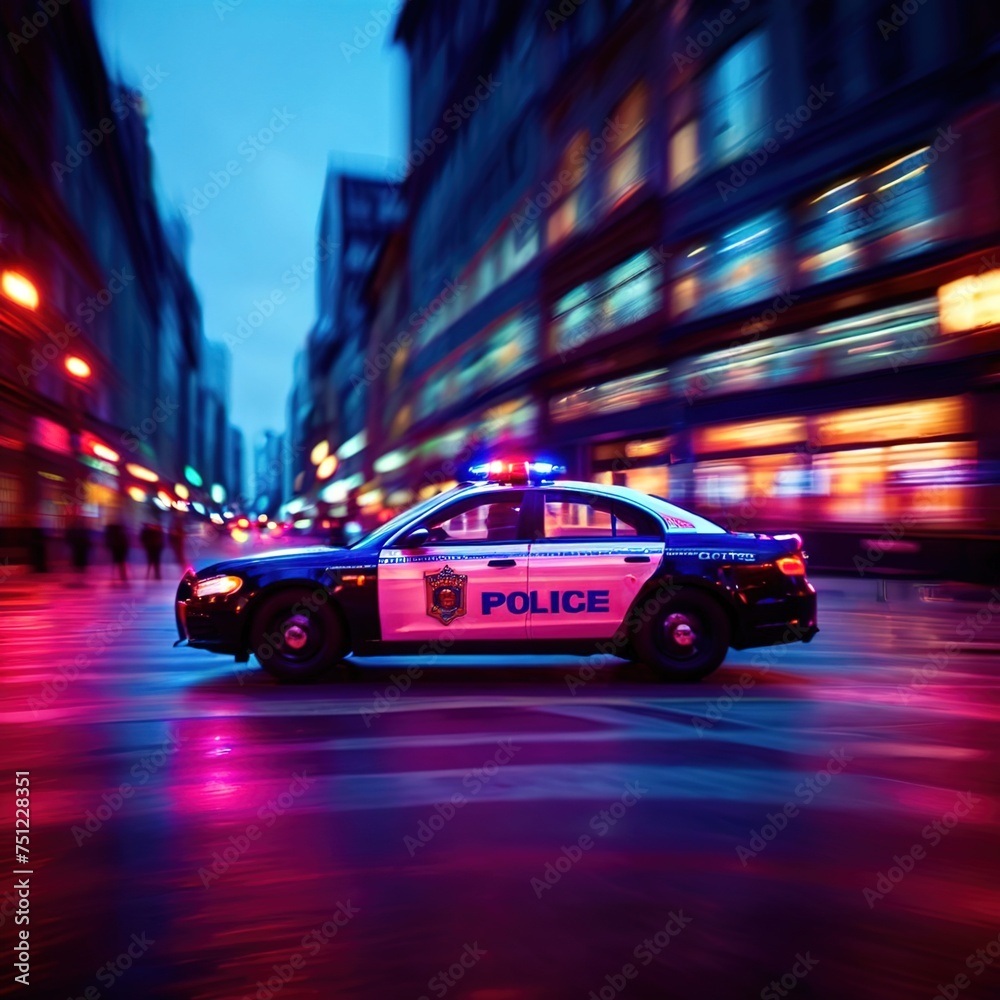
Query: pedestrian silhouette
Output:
(78,540)
(116,542)
(151,539)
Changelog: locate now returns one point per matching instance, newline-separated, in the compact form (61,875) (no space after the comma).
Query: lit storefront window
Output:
(970,303)
(626,169)
(885,339)
(569,208)
(919,419)
(741,266)
(749,435)
(618,298)
(873,217)
(616,396)
(825,477)
(490,359)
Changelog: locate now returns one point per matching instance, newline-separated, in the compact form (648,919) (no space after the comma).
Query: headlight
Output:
(213,586)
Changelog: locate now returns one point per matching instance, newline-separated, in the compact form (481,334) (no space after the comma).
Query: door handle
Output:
(637,559)
(502,563)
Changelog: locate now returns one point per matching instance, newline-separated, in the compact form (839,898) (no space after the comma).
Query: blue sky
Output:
(249,99)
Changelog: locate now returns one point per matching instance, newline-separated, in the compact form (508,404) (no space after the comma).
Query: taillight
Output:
(791,565)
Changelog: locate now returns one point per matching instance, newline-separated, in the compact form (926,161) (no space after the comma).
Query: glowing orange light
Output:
(146,475)
(243,522)
(137,494)
(182,491)
(327,467)
(319,452)
(19,289)
(77,367)
(103,451)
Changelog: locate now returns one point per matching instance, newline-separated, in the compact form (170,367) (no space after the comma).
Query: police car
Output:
(520,563)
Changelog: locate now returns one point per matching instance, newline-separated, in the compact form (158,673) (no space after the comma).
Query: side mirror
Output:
(416,539)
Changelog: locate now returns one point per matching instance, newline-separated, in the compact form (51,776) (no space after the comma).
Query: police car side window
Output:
(494,518)
(581,517)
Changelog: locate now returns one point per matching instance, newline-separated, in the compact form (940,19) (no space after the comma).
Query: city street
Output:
(813,821)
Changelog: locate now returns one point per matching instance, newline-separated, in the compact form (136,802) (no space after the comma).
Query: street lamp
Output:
(19,289)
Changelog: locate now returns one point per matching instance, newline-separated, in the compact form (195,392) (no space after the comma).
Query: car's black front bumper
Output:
(217,624)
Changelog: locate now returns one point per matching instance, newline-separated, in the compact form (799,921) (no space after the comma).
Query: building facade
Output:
(101,413)
(744,255)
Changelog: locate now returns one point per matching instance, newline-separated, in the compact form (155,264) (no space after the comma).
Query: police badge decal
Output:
(445,595)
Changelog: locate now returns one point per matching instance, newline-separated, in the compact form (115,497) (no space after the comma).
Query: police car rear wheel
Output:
(296,635)
(686,639)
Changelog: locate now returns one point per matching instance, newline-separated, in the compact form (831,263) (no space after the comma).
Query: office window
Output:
(626,152)
(569,208)
(734,98)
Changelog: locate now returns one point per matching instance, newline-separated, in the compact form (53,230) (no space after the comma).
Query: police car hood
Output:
(313,557)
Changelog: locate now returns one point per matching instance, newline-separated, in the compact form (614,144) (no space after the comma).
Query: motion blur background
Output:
(742,255)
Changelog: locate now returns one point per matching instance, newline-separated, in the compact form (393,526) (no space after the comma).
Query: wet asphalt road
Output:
(198,831)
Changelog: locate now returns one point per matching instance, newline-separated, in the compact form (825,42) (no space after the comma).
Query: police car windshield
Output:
(383,531)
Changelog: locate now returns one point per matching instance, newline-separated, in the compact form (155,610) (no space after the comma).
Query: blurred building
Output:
(328,423)
(744,255)
(269,460)
(103,411)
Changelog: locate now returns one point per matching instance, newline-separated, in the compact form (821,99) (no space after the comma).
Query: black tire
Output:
(292,616)
(686,638)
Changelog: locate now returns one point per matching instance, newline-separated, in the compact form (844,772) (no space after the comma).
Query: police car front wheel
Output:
(686,638)
(296,635)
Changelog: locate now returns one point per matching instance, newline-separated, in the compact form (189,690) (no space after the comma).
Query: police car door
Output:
(458,583)
(594,555)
